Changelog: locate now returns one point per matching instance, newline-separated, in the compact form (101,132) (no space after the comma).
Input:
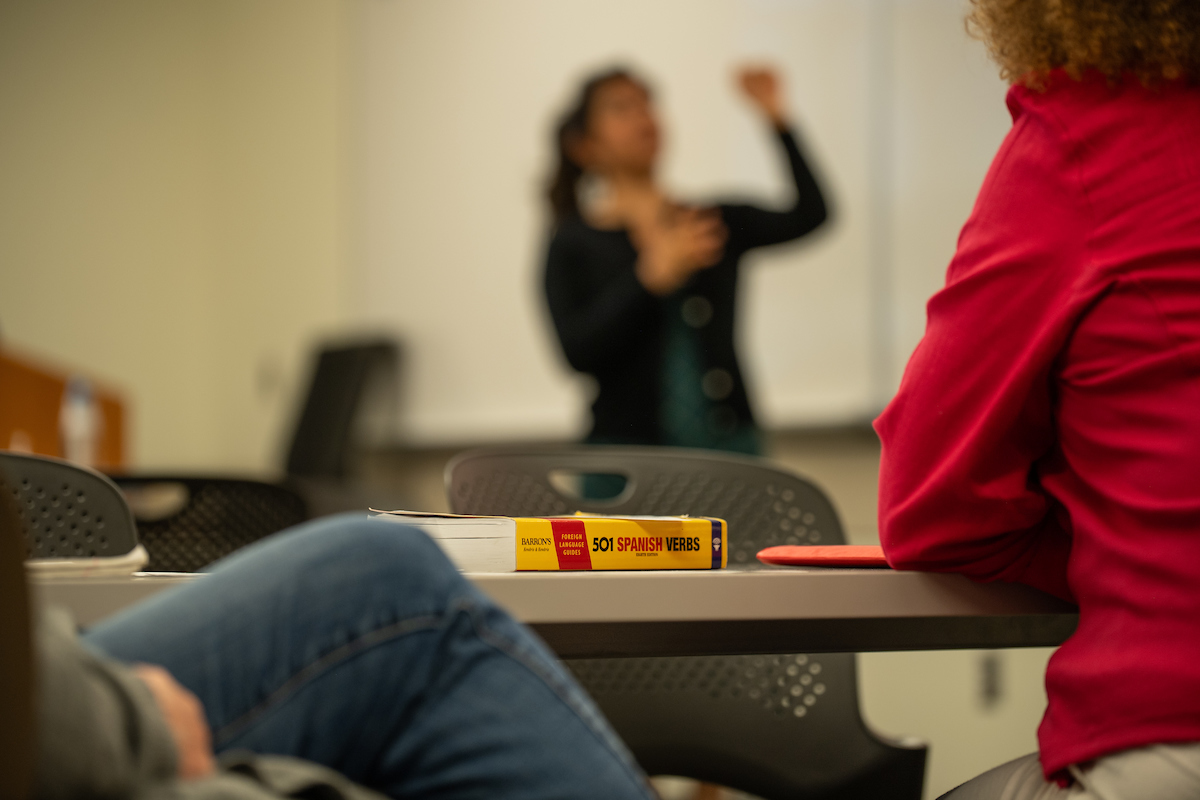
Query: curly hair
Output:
(1153,39)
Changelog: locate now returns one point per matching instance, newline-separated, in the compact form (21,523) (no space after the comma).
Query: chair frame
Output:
(707,717)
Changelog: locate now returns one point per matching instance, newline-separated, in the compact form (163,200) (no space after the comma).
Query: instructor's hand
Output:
(763,87)
(671,249)
(185,717)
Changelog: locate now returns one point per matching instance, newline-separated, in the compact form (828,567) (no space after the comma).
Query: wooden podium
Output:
(31,405)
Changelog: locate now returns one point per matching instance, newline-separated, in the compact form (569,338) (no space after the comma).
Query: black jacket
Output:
(612,328)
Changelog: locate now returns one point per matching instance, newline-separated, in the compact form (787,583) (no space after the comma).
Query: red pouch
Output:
(857,556)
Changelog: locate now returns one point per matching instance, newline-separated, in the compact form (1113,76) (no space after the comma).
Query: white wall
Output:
(104,217)
(281,253)
(171,208)
(457,102)
(950,118)
(193,191)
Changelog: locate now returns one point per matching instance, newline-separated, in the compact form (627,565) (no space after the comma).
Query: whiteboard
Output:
(451,131)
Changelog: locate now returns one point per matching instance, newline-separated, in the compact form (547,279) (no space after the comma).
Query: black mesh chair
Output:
(65,510)
(777,726)
(343,376)
(350,404)
(16,651)
(186,523)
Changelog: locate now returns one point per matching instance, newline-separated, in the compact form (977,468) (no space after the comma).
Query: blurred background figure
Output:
(642,286)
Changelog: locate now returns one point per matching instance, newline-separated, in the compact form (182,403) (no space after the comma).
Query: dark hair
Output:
(564,186)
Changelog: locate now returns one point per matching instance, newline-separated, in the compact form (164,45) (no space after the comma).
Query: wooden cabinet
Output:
(32,398)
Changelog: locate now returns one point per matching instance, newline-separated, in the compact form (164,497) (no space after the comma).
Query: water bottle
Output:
(79,422)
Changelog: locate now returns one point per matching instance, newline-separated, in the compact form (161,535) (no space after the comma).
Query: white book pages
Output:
(480,555)
(474,544)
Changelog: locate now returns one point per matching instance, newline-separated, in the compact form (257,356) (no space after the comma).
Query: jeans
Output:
(354,643)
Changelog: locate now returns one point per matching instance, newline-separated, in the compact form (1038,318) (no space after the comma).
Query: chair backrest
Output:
(324,433)
(778,726)
(16,656)
(186,523)
(66,510)
(762,504)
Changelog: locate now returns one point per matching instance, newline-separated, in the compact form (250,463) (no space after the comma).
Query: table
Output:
(722,612)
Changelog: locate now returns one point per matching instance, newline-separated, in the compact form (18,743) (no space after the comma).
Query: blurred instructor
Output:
(642,287)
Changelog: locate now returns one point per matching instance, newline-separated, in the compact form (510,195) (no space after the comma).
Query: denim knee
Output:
(381,556)
(348,561)
(401,553)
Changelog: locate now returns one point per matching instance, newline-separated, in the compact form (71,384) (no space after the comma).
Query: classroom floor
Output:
(976,709)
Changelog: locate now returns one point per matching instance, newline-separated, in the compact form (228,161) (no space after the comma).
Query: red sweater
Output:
(1047,429)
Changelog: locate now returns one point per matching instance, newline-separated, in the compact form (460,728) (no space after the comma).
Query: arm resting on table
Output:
(973,422)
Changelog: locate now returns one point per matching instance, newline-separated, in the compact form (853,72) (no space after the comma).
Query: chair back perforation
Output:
(67,511)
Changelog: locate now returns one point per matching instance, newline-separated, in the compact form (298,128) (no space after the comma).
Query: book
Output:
(579,542)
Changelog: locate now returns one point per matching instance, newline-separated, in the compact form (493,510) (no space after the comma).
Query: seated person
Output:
(349,643)
(1047,429)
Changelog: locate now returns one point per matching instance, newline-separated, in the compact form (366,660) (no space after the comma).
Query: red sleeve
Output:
(962,440)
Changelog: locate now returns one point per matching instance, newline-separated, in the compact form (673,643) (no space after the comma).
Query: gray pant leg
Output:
(1019,779)
(1157,772)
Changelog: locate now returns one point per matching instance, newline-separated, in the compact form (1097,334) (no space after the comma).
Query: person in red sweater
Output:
(1047,428)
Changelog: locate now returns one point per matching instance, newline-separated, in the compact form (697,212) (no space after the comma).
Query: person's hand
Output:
(762,86)
(672,248)
(185,717)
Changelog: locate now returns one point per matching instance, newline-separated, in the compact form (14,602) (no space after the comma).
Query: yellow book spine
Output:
(582,543)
